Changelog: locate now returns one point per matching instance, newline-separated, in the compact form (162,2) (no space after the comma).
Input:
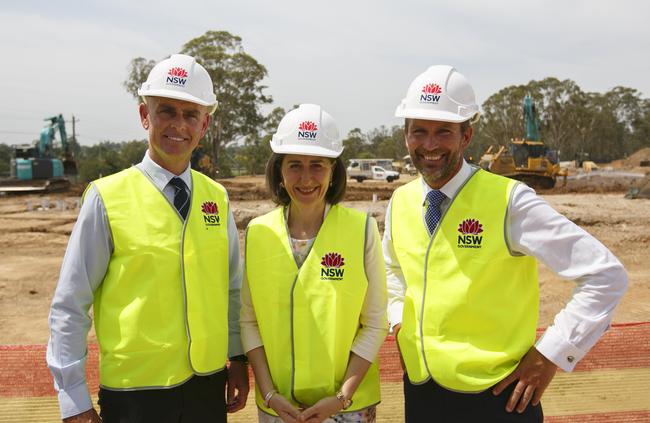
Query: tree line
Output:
(606,126)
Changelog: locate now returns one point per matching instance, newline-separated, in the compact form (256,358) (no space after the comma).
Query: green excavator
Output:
(35,169)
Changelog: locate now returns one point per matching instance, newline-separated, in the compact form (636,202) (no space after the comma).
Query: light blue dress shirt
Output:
(84,266)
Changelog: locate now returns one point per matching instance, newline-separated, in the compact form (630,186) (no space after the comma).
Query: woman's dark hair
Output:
(279,195)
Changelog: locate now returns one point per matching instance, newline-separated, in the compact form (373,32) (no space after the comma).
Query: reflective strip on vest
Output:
(470,309)
(161,312)
(308,317)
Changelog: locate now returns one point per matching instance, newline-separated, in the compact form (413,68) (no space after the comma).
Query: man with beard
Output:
(461,248)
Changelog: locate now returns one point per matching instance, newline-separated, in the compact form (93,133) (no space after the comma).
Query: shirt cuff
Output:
(234,345)
(561,352)
(250,339)
(368,342)
(74,400)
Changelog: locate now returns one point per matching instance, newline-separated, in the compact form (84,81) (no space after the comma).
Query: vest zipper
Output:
(182,262)
(293,287)
(426,261)
(182,256)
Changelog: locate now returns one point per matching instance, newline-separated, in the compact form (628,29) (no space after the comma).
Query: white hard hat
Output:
(180,77)
(307,130)
(440,93)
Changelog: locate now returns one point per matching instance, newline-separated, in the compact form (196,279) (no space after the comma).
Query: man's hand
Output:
(320,411)
(286,411)
(237,383)
(534,373)
(89,416)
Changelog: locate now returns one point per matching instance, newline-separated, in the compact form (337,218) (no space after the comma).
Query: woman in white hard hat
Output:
(314,297)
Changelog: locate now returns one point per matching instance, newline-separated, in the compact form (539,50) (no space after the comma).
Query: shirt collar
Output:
(451,188)
(161,176)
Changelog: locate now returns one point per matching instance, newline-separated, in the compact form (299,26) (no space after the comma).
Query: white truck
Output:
(408,165)
(362,169)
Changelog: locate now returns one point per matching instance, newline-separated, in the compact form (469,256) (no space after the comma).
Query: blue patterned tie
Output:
(181,197)
(433,214)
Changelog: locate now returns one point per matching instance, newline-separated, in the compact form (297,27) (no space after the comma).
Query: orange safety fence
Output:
(611,384)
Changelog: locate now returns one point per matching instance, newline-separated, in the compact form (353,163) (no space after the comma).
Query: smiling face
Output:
(436,149)
(175,128)
(306,178)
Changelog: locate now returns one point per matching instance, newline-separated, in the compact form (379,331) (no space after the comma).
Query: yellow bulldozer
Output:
(528,160)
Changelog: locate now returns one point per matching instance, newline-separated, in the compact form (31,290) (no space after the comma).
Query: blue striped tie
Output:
(181,197)
(433,214)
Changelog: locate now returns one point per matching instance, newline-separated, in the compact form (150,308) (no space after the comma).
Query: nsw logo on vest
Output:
(210,214)
(177,76)
(469,234)
(307,131)
(332,267)
(431,93)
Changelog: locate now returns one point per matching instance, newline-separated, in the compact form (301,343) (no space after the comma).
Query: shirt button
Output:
(570,359)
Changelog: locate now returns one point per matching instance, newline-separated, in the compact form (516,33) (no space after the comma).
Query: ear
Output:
(406,132)
(206,124)
(144,115)
(467,138)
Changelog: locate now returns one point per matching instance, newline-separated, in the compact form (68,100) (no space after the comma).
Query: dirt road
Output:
(34,232)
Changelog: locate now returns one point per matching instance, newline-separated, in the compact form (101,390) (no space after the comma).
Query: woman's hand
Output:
(323,409)
(287,412)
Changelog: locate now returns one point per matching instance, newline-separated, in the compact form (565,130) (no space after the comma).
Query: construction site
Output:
(611,384)
(537,92)
(41,198)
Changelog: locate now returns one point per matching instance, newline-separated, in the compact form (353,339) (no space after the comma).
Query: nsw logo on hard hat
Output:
(470,230)
(307,130)
(210,213)
(431,93)
(332,264)
(177,76)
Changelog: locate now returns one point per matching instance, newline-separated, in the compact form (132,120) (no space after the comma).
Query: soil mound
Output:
(639,159)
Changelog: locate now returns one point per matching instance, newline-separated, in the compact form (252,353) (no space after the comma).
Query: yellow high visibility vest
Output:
(308,316)
(161,312)
(470,310)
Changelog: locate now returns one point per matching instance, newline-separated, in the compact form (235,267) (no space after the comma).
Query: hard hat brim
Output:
(438,115)
(307,150)
(178,95)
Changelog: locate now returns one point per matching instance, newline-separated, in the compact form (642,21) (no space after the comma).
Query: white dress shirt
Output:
(82,271)
(535,229)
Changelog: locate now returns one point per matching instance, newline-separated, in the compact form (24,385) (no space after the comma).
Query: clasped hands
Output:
(317,413)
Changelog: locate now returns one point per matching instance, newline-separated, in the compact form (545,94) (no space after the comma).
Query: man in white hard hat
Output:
(155,251)
(461,248)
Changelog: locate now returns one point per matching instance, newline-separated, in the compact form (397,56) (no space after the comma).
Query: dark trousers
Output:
(200,399)
(430,402)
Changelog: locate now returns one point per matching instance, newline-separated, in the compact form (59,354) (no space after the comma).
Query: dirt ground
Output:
(34,233)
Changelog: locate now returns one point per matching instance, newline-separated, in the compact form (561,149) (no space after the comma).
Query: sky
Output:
(354,58)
